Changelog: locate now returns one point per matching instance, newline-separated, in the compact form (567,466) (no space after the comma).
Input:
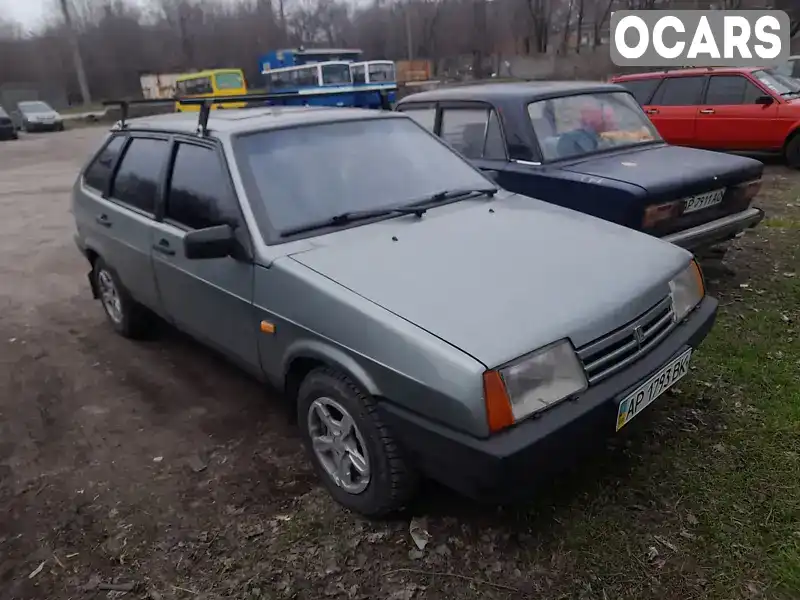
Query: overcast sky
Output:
(27,12)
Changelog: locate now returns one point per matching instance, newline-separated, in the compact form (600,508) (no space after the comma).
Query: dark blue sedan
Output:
(590,147)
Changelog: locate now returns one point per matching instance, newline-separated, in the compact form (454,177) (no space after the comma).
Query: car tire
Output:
(128,318)
(385,482)
(792,151)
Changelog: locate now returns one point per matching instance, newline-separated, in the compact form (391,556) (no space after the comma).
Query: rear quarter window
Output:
(98,174)
(642,89)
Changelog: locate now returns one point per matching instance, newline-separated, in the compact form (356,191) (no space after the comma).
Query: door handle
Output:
(651,111)
(163,247)
(707,111)
(103,220)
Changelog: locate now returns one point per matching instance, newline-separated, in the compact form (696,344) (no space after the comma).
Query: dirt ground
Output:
(157,469)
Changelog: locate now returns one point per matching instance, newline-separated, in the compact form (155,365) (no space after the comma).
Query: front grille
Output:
(615,351)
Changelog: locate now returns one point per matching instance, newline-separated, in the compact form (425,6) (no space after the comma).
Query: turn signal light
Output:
(498,406)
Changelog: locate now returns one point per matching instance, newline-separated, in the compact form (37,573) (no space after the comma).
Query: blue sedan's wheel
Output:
(352,450)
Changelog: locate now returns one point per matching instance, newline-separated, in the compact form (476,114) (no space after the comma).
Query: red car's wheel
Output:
(792,151)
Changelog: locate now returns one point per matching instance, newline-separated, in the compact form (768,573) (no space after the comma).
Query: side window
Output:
(425,116)
(726,89)
(679,91)
(642,89)
(139,173)
(465,129)
(495,147)
(198,196)
(796,70)
(359,74)
(98,174)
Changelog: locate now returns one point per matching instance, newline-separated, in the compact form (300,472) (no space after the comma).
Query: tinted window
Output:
(359,74)
(424,116)
(494,147)
(198,196)
(642,89)
(139,173)
(196,86)
(465,129)
(356,165)
(731,89)
(99,172)
(679,91)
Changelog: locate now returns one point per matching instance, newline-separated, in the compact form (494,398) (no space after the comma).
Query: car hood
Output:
(664,171)
(498,279)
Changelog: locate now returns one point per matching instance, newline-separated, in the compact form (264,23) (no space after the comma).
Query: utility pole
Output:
(409,41)
(284,30)
(76,54)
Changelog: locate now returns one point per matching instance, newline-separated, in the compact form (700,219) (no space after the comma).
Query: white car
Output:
(791,68)
(36,115)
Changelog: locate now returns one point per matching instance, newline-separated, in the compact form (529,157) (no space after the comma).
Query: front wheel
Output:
(353,452)
(792,152)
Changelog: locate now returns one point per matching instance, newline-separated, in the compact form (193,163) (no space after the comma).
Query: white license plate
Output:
(702,201)
(651,389)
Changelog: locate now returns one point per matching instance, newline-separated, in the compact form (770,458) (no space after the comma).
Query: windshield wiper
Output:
(416,207)
(452,195)
(355,215)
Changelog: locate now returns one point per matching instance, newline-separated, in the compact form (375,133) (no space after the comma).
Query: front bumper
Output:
(714,232)
(54,126)
(507,466)
(7,132)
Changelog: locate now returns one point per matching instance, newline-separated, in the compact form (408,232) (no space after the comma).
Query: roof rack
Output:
(205,104)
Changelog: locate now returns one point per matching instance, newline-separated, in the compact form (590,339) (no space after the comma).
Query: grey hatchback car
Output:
(421,321)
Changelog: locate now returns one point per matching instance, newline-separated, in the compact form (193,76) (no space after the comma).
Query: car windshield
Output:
(34,107)
(305,175)
(776,82)
(573,126)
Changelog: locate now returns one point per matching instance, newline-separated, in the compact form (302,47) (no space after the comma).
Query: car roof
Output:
(685,72)
(231,121)
(529,90)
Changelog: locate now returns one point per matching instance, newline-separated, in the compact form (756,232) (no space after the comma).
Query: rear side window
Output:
(642,89)
(731,89)
(99,172)
(679,91)
(198,195)
(136,183)
(425,116)
(475,132)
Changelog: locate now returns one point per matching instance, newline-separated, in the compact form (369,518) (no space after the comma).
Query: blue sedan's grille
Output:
(615,351)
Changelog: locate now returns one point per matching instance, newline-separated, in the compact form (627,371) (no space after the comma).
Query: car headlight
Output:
(687,290)
(531,384)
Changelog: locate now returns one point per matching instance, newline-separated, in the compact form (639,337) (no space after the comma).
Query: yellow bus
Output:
(208,84)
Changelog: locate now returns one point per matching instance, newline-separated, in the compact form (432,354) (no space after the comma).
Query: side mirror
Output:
(211,242)
(765,100)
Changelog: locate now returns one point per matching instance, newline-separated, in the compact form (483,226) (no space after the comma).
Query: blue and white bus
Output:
(327,83)
(370,78)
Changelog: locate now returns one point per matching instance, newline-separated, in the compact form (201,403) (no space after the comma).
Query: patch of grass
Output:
(782,223)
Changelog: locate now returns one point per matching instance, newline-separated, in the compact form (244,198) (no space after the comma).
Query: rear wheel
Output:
(128,318)
(352,450)
(792,151)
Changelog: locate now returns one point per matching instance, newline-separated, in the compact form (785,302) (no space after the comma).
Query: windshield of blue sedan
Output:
(583,124)
(309,174)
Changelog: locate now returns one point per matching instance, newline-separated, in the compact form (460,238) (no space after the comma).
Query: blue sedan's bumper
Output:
(506,466)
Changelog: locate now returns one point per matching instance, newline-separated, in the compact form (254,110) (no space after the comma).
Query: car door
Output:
(673,108)
(730,119)
(211,299)
(474,130)
(118,209)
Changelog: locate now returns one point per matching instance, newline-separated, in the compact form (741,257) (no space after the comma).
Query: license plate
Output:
(651,389)
(702,201)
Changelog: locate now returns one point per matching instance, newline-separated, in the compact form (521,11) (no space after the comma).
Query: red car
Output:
(739,109)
